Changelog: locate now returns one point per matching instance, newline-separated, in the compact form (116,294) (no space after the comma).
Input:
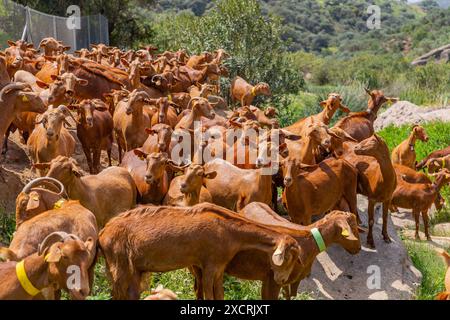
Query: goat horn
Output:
(67,112)
(55,237)
(14,86)
(190,101)
(43,180)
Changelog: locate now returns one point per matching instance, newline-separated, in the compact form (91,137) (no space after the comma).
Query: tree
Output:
(238,26)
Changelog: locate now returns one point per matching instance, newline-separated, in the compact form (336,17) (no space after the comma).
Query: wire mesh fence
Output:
(19,22)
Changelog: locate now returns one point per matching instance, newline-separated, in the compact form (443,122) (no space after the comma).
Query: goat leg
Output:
(370,213)
(416,214)
(426,224)
(386,237)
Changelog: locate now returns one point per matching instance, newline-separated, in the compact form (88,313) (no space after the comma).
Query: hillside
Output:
(330,26)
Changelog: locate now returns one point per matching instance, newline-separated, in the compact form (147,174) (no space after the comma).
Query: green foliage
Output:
(432,267)
(7,227)
(238,26)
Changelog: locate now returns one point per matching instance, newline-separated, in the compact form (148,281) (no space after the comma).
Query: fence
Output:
(19,22)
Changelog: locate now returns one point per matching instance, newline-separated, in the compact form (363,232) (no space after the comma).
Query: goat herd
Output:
(175,200)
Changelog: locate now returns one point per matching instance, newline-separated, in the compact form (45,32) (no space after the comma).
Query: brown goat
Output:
(130,122)
(437,164)
(412,176)
(49,268)
(161,239)
(51,138)
(376,177)
(95,131)
(187,190)
(336,228)
(105,194)
(234,188)
(16,98)
(159,137)
(34,199)
(446,294)
(419,197)
(330,106)
(435,154)
(314,190)
(245,93)
(405,153)
(151,174)
(359,125)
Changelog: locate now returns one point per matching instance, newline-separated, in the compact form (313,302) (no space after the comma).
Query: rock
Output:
(439,55)
(337,274)
(405,112)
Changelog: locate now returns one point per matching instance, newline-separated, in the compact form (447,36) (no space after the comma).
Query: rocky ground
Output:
(405,112)
(338,275)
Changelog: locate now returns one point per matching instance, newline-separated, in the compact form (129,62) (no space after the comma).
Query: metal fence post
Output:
(88,30)
(54,28)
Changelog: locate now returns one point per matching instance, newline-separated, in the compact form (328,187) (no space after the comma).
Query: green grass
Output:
(439,138)
(432,267)
(7,227)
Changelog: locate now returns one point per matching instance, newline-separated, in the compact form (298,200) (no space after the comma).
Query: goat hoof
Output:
(387,239)
(417,237)
(429,238)
(370,244)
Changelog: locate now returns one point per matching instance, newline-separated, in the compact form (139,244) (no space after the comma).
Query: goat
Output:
(160,239)
(405,153)
(48,268)
(91,190)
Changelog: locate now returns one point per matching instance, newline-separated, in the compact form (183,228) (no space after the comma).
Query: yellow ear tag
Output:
(142,158)
(25,99)
(345,233)
(35,198)
(58,204)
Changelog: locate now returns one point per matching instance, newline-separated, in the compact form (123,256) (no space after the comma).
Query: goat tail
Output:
(443,296)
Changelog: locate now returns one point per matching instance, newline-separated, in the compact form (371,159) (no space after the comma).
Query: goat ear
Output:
(278,255)
(345,230)
(344,108)
(323,104)
(54,254)
(139,153)
(34,201)
(76,171)
(54,77)
(90,244)
(210,175)
(150,131)
(290,136)
(41,84)
(82,82)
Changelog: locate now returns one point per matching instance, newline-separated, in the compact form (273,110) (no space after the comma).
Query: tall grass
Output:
(431,266)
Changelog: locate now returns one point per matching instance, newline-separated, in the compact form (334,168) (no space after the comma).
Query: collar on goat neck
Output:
(24,281)
(319,239)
